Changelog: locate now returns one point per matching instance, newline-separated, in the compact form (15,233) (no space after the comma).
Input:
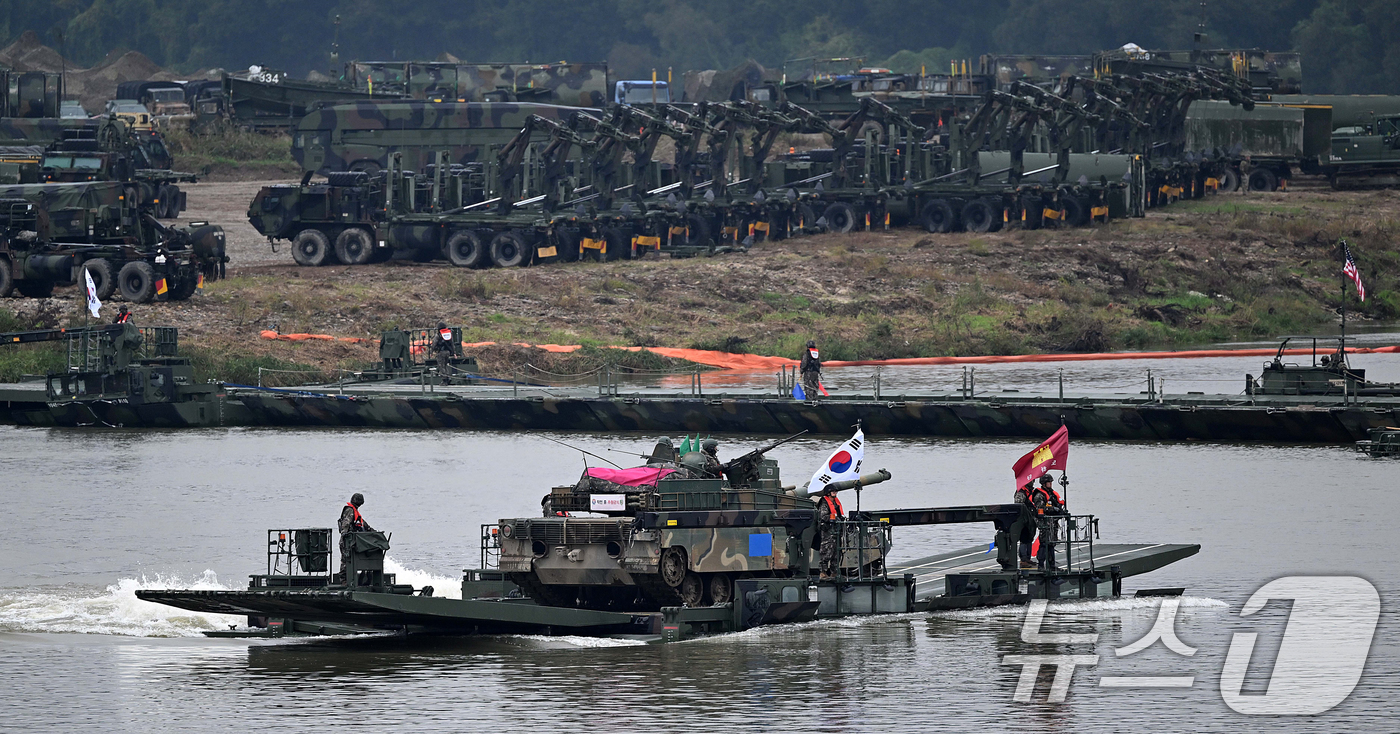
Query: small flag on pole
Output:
(161,287)
(1349,270)
(798,393)
(92,303)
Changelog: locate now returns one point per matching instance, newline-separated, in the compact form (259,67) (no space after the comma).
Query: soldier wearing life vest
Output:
(351,522)
(811,369)
(1014,541)
(443,348)
(123,316)
(1048,506)
(829,512)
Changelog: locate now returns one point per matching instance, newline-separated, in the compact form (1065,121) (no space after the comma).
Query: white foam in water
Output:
(116,611)
(578,641)
(444,586)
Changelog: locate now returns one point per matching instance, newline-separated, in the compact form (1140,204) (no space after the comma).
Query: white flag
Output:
(93,303)
(843,464)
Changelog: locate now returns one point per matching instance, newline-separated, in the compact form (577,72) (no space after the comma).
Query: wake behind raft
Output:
(680,547)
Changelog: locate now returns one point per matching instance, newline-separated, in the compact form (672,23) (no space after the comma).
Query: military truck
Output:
(679,530)
(53,233)
(164,100)
(102,149)
(1368,157)
(360,136)
(561,83)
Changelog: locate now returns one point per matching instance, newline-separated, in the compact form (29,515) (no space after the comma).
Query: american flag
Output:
(1350,271)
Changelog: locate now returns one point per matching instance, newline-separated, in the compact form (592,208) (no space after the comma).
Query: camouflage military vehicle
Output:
(103,149)
(679,530)
(1367,156)
(360,136)
(563,83)
(52,233)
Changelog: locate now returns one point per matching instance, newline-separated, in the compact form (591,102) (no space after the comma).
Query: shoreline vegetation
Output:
(1224,268)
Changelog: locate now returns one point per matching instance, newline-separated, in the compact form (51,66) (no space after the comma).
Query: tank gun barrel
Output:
(864,480)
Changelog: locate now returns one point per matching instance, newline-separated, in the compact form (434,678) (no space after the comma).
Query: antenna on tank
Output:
(575,448)
(1199,38)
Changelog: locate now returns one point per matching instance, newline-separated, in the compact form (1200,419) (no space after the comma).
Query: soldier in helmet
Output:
(123,316)
(443,348)
(351,522)
(829,513)
(811,369)
(1048,507)
(710,448)
(1014,542)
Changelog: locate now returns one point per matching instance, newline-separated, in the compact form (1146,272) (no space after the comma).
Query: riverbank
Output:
(1230,267)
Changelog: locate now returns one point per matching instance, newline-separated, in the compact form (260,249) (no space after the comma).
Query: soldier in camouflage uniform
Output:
(811,368)
(1014,541)
(442,346)
(829,512)
(710,448)
(1048,506)
(351,522)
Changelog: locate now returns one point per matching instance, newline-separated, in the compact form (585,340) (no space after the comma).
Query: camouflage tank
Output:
(678,531)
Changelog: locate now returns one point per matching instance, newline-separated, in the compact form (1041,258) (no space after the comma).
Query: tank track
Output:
(656,590)
(542,594)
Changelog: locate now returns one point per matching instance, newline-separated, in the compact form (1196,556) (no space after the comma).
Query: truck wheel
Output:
(806,219)
(1229,181)
(978,216)
(184,284)
(617,246)
(465,249)
(508,250)
(169,202)
(137,280)
(697,231)
(101,271)
(35,288)
(1262,179)
(840,217)
(311,247)
(7,280)
(354,246)
(567,240)
(1076,211)
(938,217)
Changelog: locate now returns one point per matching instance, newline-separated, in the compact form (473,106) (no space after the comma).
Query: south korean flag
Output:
(843,464)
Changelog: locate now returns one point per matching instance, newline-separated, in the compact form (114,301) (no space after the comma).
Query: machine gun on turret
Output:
(743,471)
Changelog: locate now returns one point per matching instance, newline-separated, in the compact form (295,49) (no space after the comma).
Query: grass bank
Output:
(229,154)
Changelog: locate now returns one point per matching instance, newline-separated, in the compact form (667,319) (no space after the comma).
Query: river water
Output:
(94,515)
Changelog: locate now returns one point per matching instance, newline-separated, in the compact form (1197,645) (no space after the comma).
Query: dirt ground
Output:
(226,204)
(1228,266)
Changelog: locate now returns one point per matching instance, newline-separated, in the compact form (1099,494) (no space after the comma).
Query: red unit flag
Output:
(1053,454)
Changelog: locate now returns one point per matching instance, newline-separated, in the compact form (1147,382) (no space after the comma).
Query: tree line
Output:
(1347,46)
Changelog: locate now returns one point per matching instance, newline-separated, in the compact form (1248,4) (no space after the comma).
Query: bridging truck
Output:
(51,234)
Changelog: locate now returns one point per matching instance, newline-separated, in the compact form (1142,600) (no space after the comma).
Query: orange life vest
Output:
(123,318)
(359,522)
(833,506)
(1051,496)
